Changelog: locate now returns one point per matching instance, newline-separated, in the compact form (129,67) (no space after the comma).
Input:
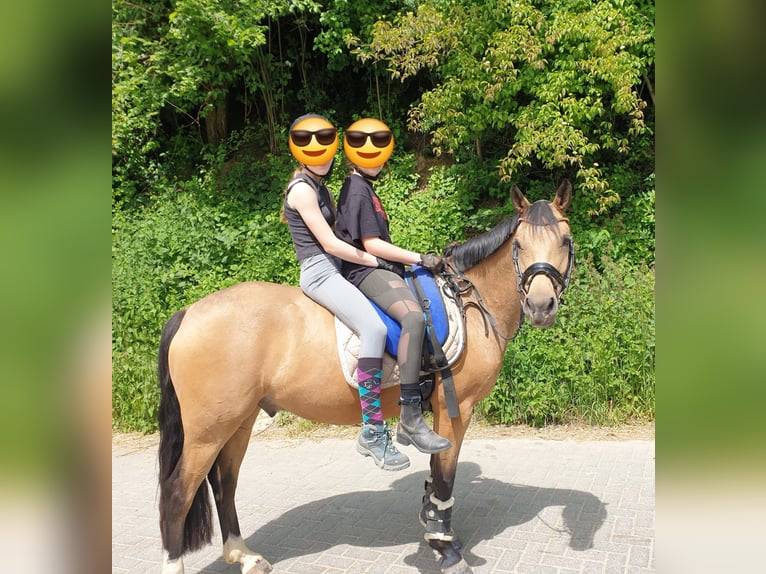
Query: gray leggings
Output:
(390,293)
(322,281)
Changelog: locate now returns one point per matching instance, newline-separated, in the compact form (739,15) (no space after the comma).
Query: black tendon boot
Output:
(412,429)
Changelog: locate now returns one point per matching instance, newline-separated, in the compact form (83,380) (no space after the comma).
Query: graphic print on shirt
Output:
(379,207)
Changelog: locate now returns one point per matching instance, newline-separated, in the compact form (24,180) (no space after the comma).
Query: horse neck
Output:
(495,280)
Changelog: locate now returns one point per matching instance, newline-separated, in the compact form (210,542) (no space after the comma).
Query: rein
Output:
(457,286)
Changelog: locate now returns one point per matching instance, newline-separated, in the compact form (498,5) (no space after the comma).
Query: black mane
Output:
(466,255)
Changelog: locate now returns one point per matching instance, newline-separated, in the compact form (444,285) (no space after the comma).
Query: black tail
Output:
(198,527)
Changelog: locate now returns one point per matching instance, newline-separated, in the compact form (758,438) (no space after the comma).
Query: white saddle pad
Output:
(348,345)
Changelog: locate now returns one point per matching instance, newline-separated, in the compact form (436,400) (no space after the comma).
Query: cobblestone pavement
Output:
(526,506)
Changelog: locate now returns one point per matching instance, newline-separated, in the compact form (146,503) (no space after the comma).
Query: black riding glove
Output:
(387,265)
(433,263)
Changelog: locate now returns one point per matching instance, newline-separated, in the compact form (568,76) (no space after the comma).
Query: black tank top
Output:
(306,245)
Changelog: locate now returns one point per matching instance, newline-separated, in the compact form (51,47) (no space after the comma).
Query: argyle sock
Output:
(368,375)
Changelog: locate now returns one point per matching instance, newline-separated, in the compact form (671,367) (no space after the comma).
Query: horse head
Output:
(543,253)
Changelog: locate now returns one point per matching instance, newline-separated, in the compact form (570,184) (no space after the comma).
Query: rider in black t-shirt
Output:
(362,221)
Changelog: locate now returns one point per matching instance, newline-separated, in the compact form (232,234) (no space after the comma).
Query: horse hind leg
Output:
(185,513)
(223,479)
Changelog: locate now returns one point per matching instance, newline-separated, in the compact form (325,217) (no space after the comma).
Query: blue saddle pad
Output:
(438,313)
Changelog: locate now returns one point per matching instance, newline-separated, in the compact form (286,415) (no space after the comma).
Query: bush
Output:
(425,219)
(166,256)
(595,365)
(222,228)
(216,229)
(627,231)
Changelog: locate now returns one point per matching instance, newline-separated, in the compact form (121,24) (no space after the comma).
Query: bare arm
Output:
(303,199)
(385,250)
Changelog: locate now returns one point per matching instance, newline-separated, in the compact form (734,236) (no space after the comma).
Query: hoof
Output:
(260,567)
(459,568)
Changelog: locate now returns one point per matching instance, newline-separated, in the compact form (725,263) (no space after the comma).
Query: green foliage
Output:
(173,68)
(559,81)
(193,240)
(137,98)
(522,91)
(349,23)
(425,219)
(208,45)
(627,231)
(222,227)
(595,365)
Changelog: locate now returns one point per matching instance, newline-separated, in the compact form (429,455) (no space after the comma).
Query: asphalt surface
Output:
(522,505)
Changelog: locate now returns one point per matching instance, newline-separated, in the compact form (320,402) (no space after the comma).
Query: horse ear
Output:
(520,203)
(563,196)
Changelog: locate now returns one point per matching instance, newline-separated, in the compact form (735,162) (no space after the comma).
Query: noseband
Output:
(560,282)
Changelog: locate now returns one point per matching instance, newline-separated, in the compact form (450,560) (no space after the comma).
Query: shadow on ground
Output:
(484,508)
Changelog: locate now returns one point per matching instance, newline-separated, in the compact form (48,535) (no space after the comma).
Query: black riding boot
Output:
(412,429)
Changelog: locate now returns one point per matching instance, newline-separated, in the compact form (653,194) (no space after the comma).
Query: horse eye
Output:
(517,245)
(566,241)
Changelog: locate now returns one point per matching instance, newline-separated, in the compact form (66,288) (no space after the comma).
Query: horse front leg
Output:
(436,511)
(223,479)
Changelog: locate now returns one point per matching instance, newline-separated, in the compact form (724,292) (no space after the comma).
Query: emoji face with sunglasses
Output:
(313,140)
(368,143)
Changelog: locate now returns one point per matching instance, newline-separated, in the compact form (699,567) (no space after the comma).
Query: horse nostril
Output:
(545,306)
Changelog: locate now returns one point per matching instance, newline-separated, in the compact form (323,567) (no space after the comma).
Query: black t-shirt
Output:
(360,214)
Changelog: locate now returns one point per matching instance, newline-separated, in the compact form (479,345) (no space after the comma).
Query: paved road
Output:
(526,506)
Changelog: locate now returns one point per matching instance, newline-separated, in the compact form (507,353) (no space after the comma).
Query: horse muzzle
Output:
(541,310)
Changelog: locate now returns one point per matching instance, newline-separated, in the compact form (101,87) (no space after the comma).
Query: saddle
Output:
(443,342)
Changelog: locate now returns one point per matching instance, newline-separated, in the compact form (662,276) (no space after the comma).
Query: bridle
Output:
(457,285)
(560,282)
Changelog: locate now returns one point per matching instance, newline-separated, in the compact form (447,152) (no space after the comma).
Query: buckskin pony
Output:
(236,352)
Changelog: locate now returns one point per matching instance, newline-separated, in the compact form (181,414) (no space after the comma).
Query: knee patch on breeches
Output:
(410,346)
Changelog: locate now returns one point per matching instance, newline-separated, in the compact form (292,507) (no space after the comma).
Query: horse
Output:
(264,346)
